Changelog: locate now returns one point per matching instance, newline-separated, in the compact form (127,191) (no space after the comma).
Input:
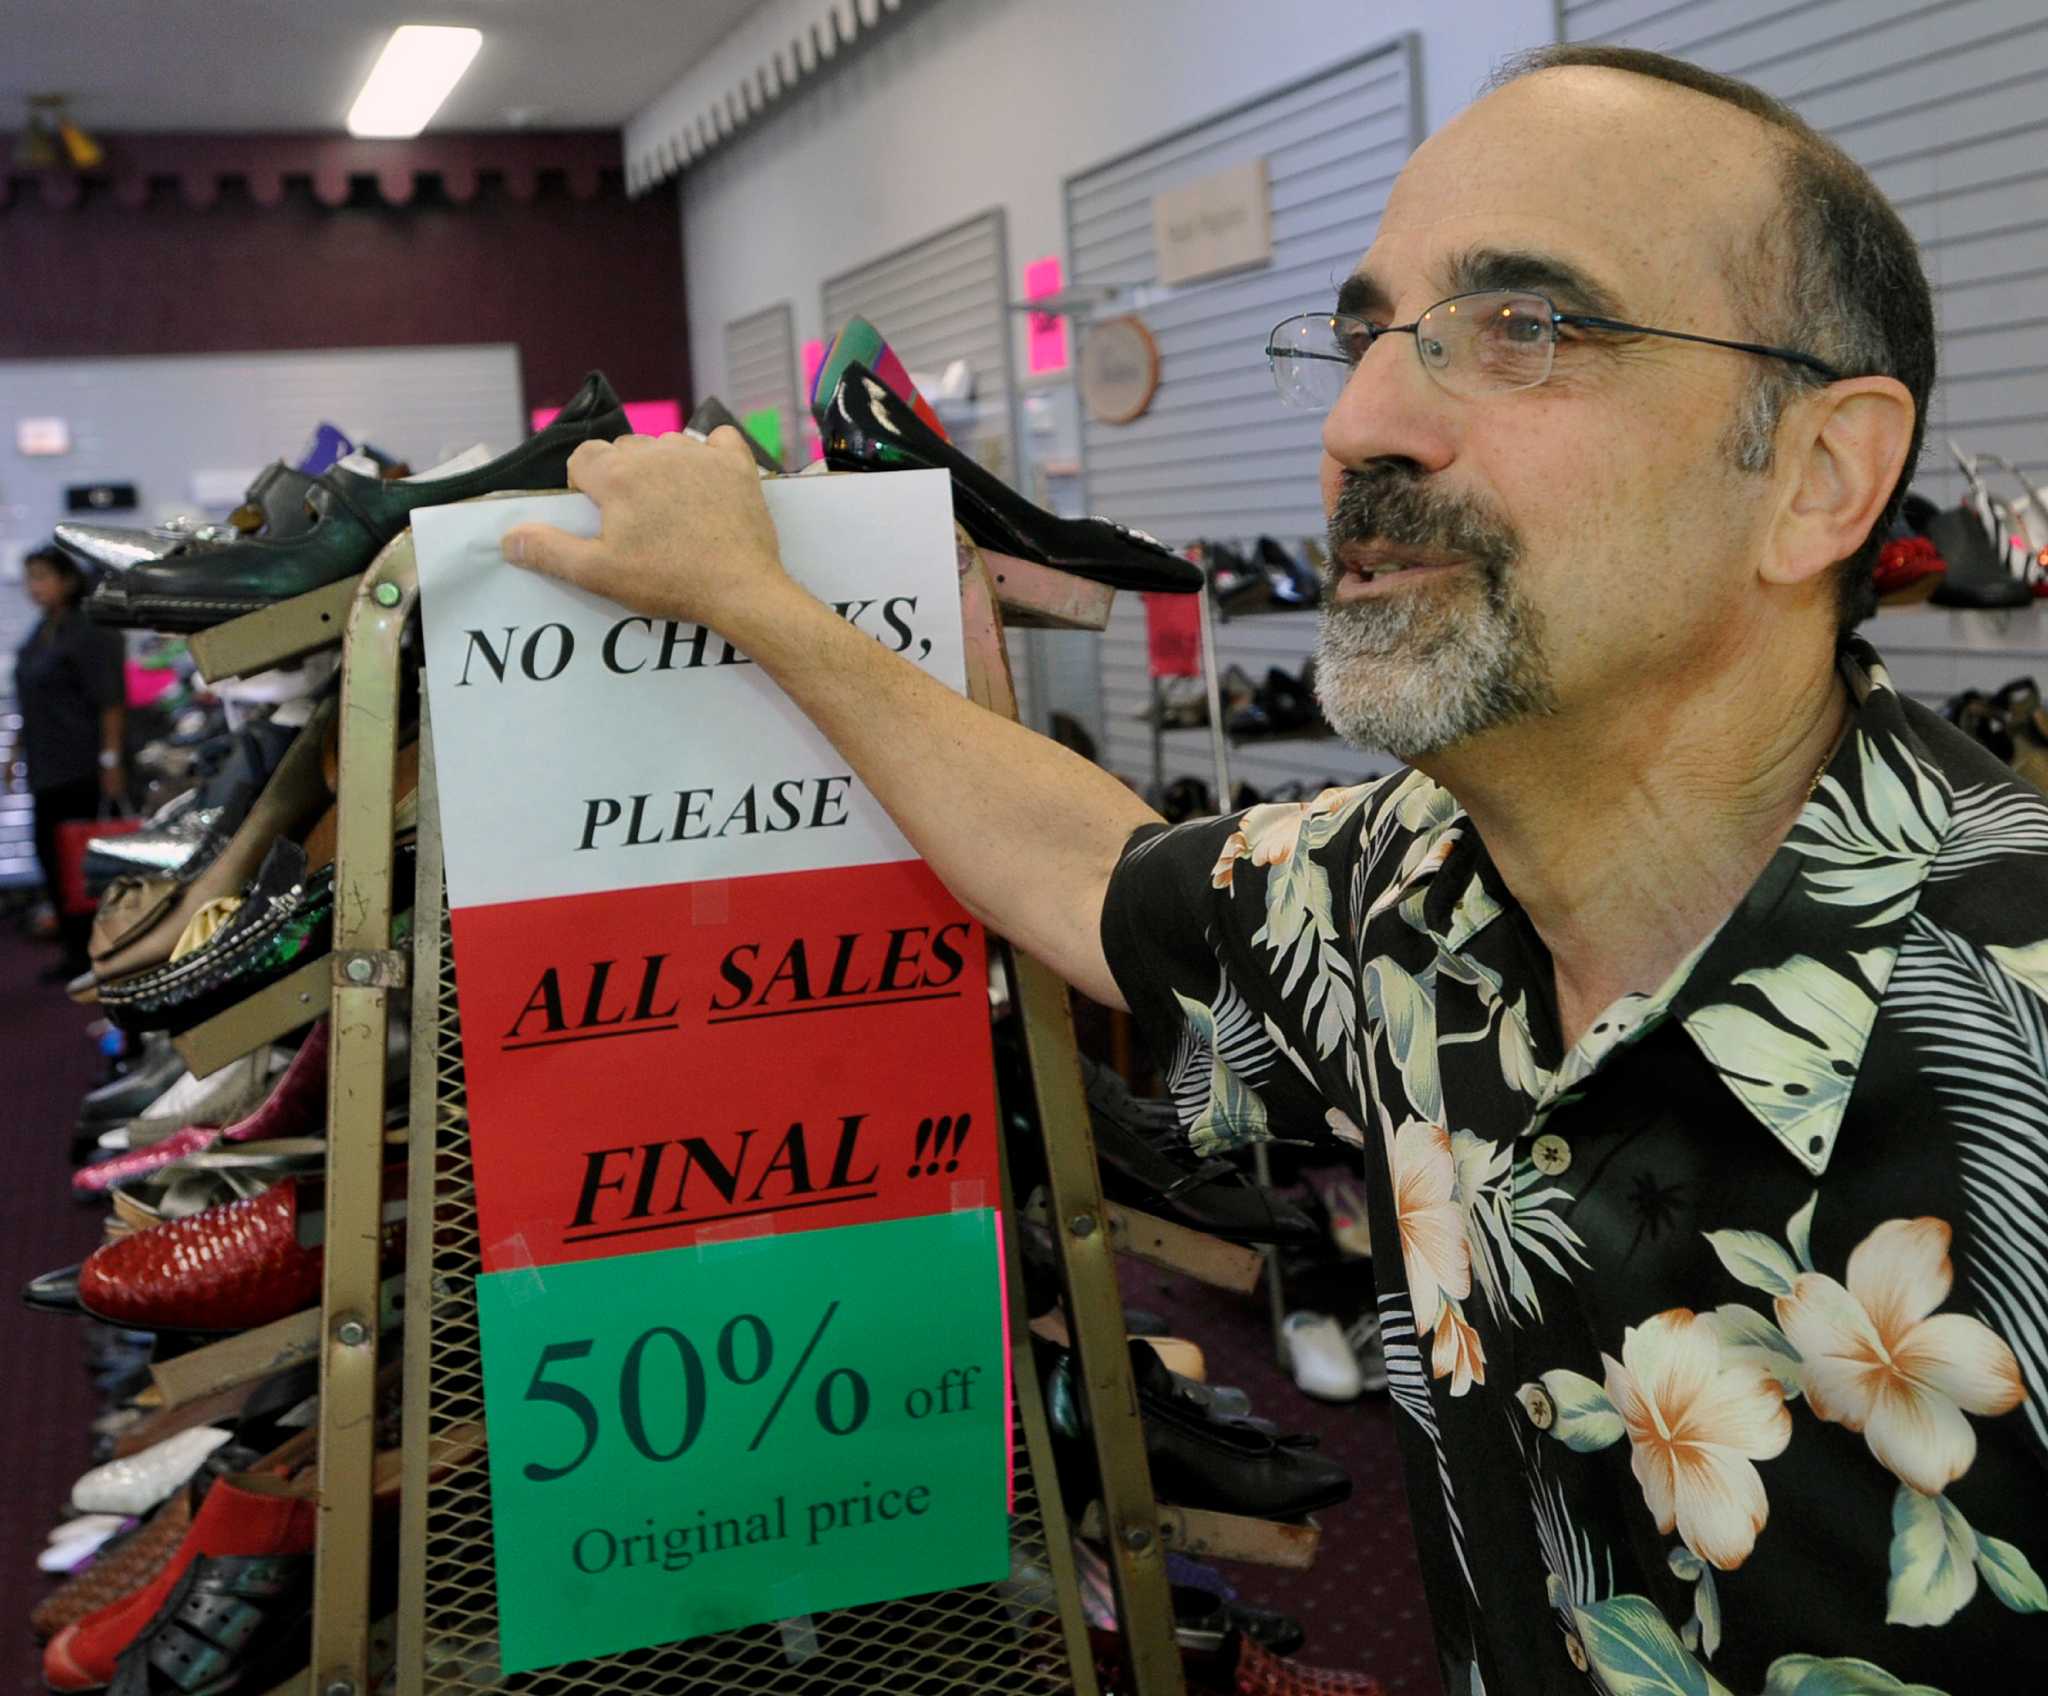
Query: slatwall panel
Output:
(760,371)
(153,422)
(1942,105)
(941,299)
(1217,455)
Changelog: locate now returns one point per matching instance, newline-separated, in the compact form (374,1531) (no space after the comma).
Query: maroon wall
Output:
(555,260)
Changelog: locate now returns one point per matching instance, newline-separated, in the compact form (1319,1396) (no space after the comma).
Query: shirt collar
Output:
(1781,1000)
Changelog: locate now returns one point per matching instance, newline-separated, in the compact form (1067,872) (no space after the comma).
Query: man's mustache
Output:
(1392,505)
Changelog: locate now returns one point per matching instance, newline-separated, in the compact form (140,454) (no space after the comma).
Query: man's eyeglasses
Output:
(1473,344)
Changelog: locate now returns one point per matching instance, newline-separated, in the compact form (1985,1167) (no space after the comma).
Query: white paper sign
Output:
(582,748)
(1218,223)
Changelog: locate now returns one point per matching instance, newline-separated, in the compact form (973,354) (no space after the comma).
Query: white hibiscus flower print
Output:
(1698,1417)
(1880,1360)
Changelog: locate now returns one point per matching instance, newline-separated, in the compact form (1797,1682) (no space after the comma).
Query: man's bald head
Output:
(1830,269)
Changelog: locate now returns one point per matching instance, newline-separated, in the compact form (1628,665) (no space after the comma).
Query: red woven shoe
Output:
(230,1268)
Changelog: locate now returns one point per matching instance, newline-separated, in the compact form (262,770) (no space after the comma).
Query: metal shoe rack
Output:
(1026,1634)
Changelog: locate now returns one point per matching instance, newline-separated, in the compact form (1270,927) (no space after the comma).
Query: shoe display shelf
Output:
(1027,1634)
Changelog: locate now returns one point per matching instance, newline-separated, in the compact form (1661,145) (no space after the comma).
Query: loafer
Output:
(273,505)
(208,582)
(230,1268)
(135,1485)
(868,428)
(285,919)
(109,548)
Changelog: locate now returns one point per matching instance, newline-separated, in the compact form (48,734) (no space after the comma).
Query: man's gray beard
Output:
(1420,669)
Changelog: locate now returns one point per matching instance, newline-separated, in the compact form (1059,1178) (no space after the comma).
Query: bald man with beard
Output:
(1684,998)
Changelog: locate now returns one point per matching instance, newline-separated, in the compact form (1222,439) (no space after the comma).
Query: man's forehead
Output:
(1635,187)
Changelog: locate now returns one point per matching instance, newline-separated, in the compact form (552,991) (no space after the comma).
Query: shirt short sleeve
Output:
(1180,946)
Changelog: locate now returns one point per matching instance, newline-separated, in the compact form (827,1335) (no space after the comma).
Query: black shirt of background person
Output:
(65,675)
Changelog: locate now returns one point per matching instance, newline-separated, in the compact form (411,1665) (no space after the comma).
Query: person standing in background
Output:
(68,679)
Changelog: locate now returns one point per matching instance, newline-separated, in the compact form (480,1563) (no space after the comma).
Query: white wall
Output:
(980,103)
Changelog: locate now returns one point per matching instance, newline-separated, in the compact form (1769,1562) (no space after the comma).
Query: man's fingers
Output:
(582,458)
(552,552)
(731,443)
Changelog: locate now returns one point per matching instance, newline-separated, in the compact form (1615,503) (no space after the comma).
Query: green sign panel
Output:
(708,1437)
(765,426)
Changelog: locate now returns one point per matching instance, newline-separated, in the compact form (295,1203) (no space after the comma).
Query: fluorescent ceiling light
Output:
(420,64)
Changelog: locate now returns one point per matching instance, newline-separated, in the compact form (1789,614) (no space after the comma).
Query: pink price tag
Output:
(648,417)
(1047,350)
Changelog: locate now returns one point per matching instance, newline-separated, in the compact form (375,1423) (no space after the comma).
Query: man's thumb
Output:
(552,552)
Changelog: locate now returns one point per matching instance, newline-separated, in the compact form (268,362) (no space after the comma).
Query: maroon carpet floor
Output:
(1362,1601)
(46,1401)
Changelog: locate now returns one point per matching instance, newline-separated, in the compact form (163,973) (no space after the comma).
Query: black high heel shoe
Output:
(866,428)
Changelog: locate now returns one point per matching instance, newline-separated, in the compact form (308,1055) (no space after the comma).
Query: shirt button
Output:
(1536,1403)
(1575,1649)
(1552,1155)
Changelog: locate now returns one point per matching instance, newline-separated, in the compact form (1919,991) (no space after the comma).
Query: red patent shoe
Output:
(228,1269)
(242,1518)
(296,1106)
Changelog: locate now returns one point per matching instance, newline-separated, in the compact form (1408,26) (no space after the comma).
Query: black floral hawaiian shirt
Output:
(1721,1340)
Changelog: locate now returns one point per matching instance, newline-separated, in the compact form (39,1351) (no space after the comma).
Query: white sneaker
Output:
(1320,1358)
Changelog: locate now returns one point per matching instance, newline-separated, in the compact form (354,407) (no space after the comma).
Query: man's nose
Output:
(1391,409)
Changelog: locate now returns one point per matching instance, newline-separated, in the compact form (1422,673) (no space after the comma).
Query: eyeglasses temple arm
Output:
(1582,321)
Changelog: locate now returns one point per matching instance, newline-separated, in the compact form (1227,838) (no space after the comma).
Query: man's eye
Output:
(1354,341)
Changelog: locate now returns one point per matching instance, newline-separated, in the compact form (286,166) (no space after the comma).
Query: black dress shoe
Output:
(867,428)
(1198,1460)
(117,1102)
(54,1292)
(206,583)
(1146,1163)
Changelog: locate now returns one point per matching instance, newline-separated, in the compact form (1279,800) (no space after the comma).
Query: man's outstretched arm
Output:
(1024,832)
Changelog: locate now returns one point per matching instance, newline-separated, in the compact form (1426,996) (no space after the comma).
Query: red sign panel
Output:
(651,1068)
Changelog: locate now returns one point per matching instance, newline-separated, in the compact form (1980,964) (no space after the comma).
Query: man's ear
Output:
(1841,452)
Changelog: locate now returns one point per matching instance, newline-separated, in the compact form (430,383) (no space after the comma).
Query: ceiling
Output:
(297,64)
